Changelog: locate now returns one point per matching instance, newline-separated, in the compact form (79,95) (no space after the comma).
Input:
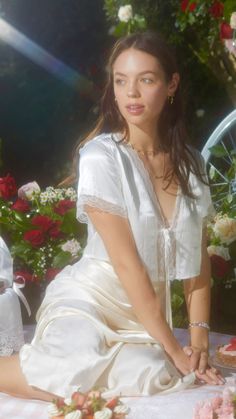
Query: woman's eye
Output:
(120,82)
(147,80)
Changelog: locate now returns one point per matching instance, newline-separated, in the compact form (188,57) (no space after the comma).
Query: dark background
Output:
(42,118)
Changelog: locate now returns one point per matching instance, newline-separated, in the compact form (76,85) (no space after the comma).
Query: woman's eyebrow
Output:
(118,73)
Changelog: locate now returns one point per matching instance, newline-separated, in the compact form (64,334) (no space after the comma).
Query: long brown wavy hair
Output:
(171,128)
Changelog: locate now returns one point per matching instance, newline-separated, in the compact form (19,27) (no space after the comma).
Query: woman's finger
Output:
(215,375)
(203,362)
(194,360)
(209,377)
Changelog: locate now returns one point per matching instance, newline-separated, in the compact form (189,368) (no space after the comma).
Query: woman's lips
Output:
(135,109)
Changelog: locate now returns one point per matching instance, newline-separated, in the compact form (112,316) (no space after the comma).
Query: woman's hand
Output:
(181,361)
(199,363)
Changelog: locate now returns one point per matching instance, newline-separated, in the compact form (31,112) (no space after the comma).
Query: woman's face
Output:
(140,87)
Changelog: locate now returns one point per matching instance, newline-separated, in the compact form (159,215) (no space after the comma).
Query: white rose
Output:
(231,46)
(225,229)
(28,190)
(219,251)
(68,401)
(105,413)
(125,13)
(71,246)
(53,410)
(121,409)
(233,20)
(77,414)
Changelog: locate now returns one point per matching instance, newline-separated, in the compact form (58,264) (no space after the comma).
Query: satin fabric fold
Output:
(88,335)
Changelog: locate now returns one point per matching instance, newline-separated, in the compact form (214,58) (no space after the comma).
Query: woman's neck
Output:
(143,140)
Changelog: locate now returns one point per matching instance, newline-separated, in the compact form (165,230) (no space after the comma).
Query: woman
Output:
(106,320)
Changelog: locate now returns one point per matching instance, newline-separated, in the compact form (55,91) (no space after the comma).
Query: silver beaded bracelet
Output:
(199,324)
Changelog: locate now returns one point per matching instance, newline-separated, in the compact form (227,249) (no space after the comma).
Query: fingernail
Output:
(192,369)
(201,371)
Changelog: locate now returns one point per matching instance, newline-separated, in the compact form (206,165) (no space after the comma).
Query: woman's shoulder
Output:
(102,143)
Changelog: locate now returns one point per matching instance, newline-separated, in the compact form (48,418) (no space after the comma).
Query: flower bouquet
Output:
(219,407)
(89,405)
(222,248)
(40,229)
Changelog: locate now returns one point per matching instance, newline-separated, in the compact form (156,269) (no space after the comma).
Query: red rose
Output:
(35,237)
(226,32)
(27,276)
(51,273)
(63,206)
(20,205)
(185,6)
(55,231)
(7,187)
(220,267)
(42,221)
(217,9)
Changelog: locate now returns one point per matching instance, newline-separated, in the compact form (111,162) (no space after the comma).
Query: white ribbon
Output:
(167,254)
(16,287)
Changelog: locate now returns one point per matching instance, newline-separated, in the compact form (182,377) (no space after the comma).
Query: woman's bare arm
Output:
(117,236)
(197,295)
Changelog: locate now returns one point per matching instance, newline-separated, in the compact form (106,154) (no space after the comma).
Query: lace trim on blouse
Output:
(99,204)
(11,341)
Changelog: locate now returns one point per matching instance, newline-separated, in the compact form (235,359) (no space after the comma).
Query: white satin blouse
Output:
(113,178)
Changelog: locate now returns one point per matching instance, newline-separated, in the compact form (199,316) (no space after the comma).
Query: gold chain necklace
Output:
(151,152)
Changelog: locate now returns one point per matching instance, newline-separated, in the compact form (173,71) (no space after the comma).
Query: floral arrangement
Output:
(89,405)
(222,229)
(220,407)
(222,248)
(218,18)
(206,28)
(40,228)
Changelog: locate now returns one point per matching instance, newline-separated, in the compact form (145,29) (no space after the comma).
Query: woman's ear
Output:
(173,84)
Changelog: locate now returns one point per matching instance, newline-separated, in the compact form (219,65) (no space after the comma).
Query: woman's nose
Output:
(132,91)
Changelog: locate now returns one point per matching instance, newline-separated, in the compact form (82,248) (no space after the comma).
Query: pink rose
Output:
(28,190)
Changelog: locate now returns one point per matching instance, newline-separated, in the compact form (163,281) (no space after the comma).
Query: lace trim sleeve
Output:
(98,204)
(11,340)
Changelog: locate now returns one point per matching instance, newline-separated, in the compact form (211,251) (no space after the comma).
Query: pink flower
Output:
(216,402)
(28,190)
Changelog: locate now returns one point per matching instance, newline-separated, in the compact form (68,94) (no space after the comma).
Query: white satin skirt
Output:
(88,335)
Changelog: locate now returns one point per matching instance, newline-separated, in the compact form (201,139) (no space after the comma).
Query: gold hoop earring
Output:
(171,100)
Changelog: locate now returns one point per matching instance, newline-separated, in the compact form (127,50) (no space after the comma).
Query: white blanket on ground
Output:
(177,405)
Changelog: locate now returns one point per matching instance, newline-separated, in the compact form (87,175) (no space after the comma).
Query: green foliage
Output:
(179,313)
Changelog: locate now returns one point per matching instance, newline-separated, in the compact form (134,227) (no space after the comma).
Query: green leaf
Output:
(121,29)
(141,21)
(70,224)
(212,172)
(176,301)
(229,198)
(21,250)
(218,150)
(61,259)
